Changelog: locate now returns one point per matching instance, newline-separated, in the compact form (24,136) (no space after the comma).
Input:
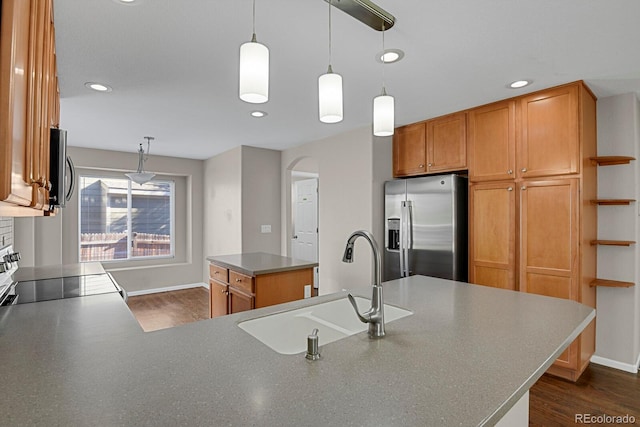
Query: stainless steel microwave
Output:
(61,170)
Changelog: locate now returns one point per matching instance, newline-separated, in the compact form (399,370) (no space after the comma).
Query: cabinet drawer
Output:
(218,273)
(241,281)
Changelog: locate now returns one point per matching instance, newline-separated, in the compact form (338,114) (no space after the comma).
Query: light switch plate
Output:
(265,228)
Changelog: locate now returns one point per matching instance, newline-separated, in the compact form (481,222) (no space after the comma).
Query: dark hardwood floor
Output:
(553,401)
(168,309)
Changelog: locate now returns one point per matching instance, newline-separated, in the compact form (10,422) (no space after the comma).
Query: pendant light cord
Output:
(330,70)
(253,38)
(384,91)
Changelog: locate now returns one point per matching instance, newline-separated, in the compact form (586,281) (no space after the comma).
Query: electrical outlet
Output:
(265,228)
(307,291)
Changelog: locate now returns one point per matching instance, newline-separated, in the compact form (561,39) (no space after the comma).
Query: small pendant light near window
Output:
(383,107)
(140,176)
(254,69)
(330,90)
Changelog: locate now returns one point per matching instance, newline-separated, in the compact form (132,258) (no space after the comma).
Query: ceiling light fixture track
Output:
(366,12)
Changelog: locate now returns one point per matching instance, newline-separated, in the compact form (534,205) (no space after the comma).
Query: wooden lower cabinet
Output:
(219,298)
(492,234)
(532,236)
(239,301)
(232,291)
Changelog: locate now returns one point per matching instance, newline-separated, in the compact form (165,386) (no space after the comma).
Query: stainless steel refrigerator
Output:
(426,227)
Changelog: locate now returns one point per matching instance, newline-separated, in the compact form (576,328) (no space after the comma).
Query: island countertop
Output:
(464,357)
(256,263)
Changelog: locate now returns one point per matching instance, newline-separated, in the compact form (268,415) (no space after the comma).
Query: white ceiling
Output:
(173,64)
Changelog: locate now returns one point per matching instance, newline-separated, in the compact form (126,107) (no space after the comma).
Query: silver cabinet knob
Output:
(523,170)
(510,189)
(510,171)
(429,164)
(238,280)
(420,165)
(523,188)
(223,291)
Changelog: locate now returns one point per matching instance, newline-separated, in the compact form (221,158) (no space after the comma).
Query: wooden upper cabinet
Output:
(15,173)
(549,133)
(447,143)
(434,146)
(29,104)
(491,138)
(410,150)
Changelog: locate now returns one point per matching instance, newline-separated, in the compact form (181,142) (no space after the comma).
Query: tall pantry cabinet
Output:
(530,216)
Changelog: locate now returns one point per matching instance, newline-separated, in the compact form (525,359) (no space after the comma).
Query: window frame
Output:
(172,216)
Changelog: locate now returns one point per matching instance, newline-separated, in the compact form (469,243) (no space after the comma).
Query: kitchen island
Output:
(240,282)
(465,357)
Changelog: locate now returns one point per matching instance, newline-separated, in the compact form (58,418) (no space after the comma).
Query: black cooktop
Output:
(63,287)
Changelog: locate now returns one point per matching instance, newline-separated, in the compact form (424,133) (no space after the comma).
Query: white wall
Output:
(346,202)
(223,203)
(54,240)
(242,192)
(260,199)
(618,309)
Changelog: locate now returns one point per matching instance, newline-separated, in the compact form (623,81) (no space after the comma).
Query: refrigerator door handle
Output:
(409,246)
(406,240)
(403,221)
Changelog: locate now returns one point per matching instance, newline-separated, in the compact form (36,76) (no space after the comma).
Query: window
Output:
(122,220)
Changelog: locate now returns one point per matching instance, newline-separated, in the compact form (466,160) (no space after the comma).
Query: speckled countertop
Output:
(465,356)
(51,271)
(255,263)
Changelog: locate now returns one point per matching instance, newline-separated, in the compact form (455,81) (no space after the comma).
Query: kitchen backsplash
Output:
(6,231)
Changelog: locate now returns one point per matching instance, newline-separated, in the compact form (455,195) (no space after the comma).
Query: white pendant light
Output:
(254,69)
(140,176)
(383,114)
(383,107)
(330,90)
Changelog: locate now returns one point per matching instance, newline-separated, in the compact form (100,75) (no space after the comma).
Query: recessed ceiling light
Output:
(258,113)
(390,56)
(98,87)
(520,83)
(128,2)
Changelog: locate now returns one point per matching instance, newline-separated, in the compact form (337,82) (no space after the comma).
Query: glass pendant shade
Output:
(330,97)
(254,72)
(383,115)
(141,177)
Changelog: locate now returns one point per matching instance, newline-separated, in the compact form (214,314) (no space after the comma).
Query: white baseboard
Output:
(627,367)
(167,289)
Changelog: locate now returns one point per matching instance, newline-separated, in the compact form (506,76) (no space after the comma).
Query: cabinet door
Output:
(492,142)
(447,143)
(549,237)
(492,235)
(239,301)
(219,302)
(15,148)
(549,134)
(409,150)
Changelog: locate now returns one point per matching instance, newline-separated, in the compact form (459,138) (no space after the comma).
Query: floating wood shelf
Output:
(613,242)
(611,160)
(611,283)
(612,201)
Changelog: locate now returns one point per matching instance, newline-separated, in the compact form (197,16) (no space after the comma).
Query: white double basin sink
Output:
(286,332)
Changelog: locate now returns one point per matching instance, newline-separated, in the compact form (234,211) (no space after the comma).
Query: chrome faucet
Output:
(375,315)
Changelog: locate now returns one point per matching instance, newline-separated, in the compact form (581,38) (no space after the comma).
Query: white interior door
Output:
(304,244)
